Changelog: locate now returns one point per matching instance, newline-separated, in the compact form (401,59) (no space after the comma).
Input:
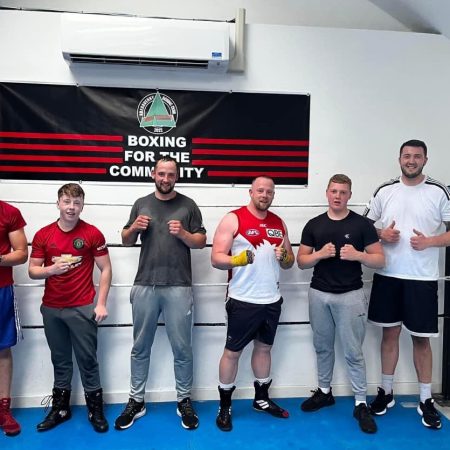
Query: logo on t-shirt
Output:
(252,232)
(78,243)
(271,232)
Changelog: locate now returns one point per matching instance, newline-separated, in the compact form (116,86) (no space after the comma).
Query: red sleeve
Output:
(37,246)
(17,221)
(99,247)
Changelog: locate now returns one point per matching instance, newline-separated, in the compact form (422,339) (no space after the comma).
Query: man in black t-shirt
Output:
(336,243)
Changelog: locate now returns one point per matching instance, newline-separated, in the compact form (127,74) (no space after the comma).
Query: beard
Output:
(414,174)
(164,189)
(262,206)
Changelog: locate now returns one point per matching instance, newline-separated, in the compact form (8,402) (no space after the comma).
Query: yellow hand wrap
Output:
(286,258)
(244,258)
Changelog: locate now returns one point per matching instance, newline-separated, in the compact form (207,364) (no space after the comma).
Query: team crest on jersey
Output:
(274,233)
(252,232)
(78,243)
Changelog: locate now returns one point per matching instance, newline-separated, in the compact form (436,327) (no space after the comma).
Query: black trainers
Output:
(269,406)
(382,402)
(362,414)
(317,400)
(132,411)
(430,417)
(189,418)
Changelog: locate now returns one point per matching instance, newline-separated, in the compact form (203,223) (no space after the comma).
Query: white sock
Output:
(387,382)
(425,391)
(262,381)
(325,390)
(358,402)
(226,386)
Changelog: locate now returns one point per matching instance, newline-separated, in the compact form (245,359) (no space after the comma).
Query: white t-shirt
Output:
(422,207)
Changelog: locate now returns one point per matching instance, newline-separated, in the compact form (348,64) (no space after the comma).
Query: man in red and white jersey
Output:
(13,251)
(251,243)
(64,253)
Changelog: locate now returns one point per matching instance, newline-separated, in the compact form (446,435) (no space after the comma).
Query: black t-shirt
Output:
(333,274)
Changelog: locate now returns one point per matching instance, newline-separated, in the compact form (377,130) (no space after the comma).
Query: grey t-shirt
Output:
(165,259)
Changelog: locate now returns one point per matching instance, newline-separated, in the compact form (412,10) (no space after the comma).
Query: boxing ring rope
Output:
(197,324)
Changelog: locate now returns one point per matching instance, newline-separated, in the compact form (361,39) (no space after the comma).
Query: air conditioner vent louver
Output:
(155,62)
(157,43)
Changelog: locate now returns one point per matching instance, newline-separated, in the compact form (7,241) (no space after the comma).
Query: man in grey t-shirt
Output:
(169,225)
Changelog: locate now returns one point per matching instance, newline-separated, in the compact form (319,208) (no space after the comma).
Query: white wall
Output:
(362,14)
(370,91)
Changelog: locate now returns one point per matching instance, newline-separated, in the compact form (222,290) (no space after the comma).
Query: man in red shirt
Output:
(63,253)
(13,251)
(251,243)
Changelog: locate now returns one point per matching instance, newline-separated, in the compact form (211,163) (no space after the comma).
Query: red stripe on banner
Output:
(80,137)
(74,170)
(234,173)
(56,147)
(210,151)
(85,159)
(213,162)
(249,142)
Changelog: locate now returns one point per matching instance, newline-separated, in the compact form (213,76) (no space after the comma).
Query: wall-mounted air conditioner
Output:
(159,43)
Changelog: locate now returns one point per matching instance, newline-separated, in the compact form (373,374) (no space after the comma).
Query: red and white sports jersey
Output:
(84,243)
(257,282)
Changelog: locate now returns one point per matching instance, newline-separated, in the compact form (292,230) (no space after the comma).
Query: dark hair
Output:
(414,143)
(340,178)
(166,159)
(72,190)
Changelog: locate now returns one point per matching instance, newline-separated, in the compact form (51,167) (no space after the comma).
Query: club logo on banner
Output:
(117,134)
(157,113)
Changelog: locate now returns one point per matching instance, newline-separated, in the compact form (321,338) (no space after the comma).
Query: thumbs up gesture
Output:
(390,234)
(418,241)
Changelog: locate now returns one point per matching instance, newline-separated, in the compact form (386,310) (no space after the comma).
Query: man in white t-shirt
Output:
(410,211)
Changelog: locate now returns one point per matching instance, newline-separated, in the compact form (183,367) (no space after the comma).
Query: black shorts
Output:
(413,303)
(249,321)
